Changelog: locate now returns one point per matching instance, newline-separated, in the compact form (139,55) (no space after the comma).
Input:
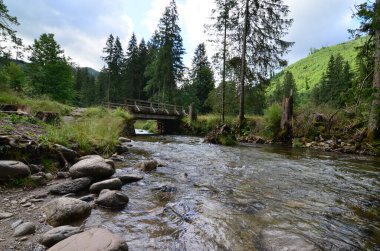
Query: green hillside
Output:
(310,69)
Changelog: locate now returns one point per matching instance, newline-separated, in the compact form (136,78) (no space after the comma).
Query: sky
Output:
(81,27)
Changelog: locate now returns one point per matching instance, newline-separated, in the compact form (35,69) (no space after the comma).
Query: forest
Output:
(245,81)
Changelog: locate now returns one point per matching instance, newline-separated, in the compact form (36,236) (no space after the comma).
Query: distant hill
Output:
(92,72)
(310,69)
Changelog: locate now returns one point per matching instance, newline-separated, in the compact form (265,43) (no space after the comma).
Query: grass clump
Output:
(96,132)
(34,105)
(148,125)
(272,118)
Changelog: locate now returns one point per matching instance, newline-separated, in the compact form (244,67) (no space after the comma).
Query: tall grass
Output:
(35,105)
(96,132)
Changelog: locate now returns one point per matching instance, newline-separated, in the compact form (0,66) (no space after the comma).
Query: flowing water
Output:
(209,197)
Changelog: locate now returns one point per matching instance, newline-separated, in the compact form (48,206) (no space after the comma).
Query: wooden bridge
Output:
(146,110)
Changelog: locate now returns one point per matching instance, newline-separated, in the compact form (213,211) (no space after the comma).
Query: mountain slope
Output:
(308,71)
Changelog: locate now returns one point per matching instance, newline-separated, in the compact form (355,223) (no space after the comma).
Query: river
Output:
(251,197)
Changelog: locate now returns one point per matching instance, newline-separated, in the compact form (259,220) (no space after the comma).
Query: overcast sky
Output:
(81,27)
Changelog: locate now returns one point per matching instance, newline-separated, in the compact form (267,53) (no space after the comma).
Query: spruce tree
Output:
(167,67)
(202,78)
(7,32)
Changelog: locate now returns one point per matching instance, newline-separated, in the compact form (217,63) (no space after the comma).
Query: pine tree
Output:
(202,78)
(167,67)
(143,60)
(131,75)
(7,33)
(263,25)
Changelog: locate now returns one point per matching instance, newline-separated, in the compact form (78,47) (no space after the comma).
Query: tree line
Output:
(247,37)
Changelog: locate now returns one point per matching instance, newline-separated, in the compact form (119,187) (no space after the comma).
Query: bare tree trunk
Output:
(243,65)
(287,119)
(374,118)
(224,62)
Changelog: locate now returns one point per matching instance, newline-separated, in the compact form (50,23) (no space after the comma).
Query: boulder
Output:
(63,211)
(72,186)
(130,178)
(147,166)
(26,228)
(63,175)
(88,198)
(92,239)
(94,166)
(112,199)
(284,241)
(124,140)
(121,149)
(69,154)
(10,169)
(58,234)
(112,184)
(39,180)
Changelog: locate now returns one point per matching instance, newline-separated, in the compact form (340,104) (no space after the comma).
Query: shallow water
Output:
(210,197)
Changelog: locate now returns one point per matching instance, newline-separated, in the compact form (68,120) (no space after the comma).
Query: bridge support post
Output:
(129,128)
(192,113)
(168,126)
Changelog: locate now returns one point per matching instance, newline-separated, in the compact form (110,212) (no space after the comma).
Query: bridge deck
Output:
(141,109)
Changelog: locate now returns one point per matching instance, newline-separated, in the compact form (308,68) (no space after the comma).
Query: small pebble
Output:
(16,223)
(28,204)
(24,238)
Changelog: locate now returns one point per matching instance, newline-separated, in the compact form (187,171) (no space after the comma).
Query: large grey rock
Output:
(58,234)
(26,228)
(95,239)
(93,166)
(10,169)
(64,211)
(71,186)
(130,178)
(112,184)
(112,199)
(147,166)
(69,154)
(284,241)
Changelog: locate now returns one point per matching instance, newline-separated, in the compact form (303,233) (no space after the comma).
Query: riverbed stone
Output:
(58,234)
(23,229)
(94,166)
(63,211)
(88,198)
(130,178)
(69,154)
(285,241)
(71,186)
(112,184)
(124,140)
(92,239)
(112,199)
(10,169)
(5,215)
(147,166)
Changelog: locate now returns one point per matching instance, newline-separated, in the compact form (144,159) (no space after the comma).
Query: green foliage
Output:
(8,34)
(49,70)
(23,183)
(148,125)
(34,104)
(272,117)
(335,85)
(202,79)
(308,71)
(97,131)
(227,140)
(13,76)
(166,67)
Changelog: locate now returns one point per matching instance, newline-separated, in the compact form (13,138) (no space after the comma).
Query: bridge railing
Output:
(143,106)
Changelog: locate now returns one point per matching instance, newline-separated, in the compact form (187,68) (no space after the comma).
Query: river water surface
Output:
(251,197)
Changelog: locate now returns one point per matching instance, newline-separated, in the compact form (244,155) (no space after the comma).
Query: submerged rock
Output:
(92,166)
(112,199)
(147,166)
(58,234)
(284,241)
(72,186)
(130,178)
(10,169)
(112,184)
(93,239)
(64,211)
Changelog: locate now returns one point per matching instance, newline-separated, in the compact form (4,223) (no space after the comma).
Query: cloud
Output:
(82,27)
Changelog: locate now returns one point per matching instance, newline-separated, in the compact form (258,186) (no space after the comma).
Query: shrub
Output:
(272,118)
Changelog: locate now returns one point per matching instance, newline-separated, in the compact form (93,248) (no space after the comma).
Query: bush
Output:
(272,118)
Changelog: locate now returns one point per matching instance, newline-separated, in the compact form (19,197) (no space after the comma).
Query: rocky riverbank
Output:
(51,216)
